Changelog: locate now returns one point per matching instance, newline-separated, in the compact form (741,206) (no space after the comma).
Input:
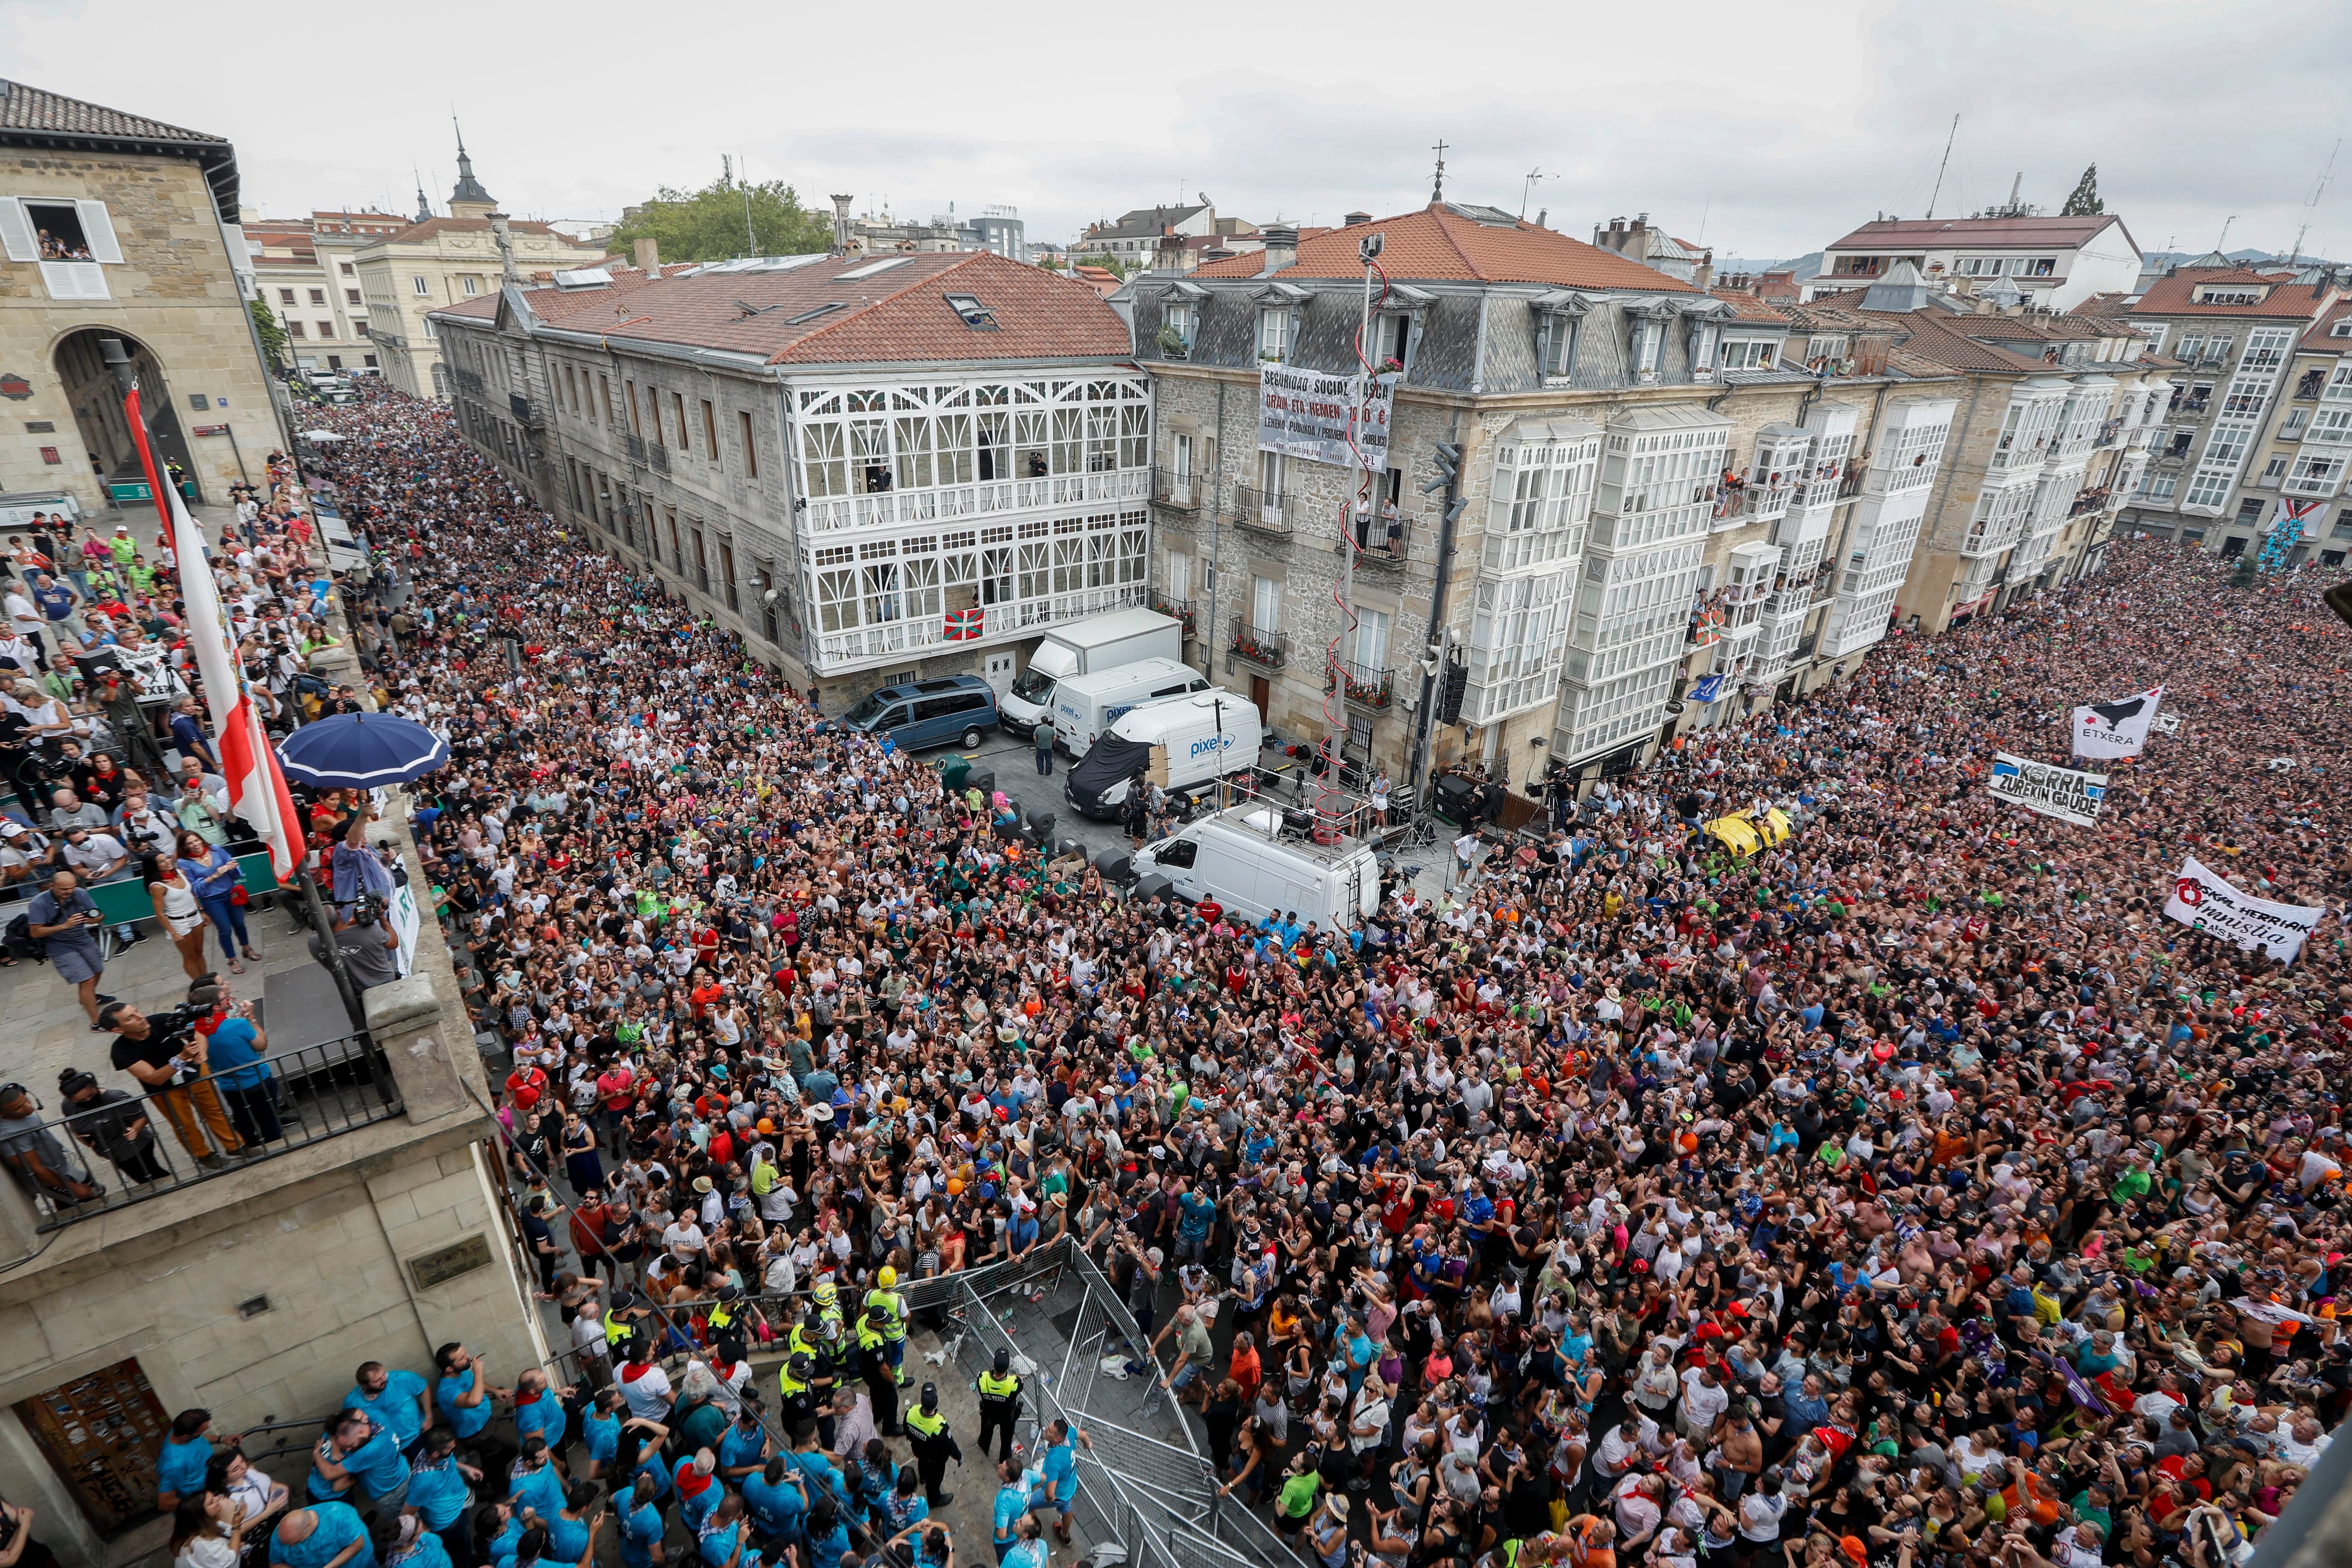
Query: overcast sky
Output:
(1760,130)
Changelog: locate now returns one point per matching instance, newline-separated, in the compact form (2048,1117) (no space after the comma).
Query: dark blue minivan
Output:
(956,709)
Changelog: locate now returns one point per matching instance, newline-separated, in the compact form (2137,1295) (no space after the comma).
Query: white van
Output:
(1235,859)
(1086,648)
(1179,742)
(1087,705)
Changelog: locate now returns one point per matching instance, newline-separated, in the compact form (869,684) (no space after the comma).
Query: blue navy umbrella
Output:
(360,751)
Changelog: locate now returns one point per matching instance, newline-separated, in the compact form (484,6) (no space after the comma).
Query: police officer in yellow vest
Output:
(820,1342)
(934,1446)
(1000,1403)
(622,1319)
(798,1410)
(885,1297)
(828,1303)
(729,1312)
(874,1366)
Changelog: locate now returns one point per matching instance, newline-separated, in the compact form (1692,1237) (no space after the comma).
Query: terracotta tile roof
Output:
(2173,295)
(416,232)
(1942,340)
(2320,339)
(1749,308)
(1843,297)
(897,315)
(24,108)
(2029,329)
(1978,233)
(1438,242)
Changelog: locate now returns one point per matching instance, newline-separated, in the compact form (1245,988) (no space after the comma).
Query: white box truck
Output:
(1087,705)
(1178,743)
(1236,858)
(1086,648)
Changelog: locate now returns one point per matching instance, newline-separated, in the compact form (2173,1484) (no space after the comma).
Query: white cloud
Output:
(1779,130)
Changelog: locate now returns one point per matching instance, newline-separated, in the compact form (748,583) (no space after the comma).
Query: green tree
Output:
(2085,199)
(709,224)
(2242,576)
(1109,263)
(266,327)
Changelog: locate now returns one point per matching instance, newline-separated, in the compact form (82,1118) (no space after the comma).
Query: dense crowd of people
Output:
(1912,1193)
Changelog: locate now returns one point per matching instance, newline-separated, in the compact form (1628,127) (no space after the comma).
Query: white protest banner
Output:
(2064,793)
(2206,899)
(1305,413)
(2117,729)
(406,925)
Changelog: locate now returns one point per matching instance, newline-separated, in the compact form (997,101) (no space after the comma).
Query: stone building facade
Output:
(115,226)
(447,260)
(2231,331)
(2048,441)
(872,470)
(1625,562)
(256,1293)
(313,288)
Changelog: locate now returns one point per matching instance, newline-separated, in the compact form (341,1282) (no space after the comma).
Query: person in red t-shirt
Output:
(616,1087)
(524,1087)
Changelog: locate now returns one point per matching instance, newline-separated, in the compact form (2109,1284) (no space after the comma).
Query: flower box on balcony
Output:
(1257,652)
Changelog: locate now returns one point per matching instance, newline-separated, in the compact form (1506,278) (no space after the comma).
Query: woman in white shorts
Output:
(177,911)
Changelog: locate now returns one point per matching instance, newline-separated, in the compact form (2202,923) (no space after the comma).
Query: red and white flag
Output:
(256,789)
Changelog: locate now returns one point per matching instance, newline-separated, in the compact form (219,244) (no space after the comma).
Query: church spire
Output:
(467,199)
(424,207)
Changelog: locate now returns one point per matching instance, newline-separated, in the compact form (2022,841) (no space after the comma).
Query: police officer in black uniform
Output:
(1000,1402)
(934,1446)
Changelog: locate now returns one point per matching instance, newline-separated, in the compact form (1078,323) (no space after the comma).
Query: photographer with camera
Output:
(371,948)
(166,1055)
(62,918)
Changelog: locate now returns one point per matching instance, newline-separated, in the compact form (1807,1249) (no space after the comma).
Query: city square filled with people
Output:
(1913,1192)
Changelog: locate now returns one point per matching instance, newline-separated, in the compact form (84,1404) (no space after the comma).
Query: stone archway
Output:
(97,406)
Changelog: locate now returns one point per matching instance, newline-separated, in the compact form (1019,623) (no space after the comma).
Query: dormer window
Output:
(1750,354)
(1704,338)
(1176,326)
(2231,296)
(1391,337)
(1275,326)
(1821,347)
(1560,343)
(1648,348)
(2342,329)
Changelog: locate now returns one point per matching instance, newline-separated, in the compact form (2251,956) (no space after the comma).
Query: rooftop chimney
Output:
(1281,247)
(649,258)
(841,223)
(1352,219)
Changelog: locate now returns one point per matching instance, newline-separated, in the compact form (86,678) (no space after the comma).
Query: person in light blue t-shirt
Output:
(462,1397)
(1059,1466)
(180,1467)
(534,1486)
(539,1408)
(397,1399)
(641,1523)
(324,1535)
(778,1497)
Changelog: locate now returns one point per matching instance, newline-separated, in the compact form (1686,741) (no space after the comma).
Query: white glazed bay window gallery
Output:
(876,597)
(72,238)
(920,452)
